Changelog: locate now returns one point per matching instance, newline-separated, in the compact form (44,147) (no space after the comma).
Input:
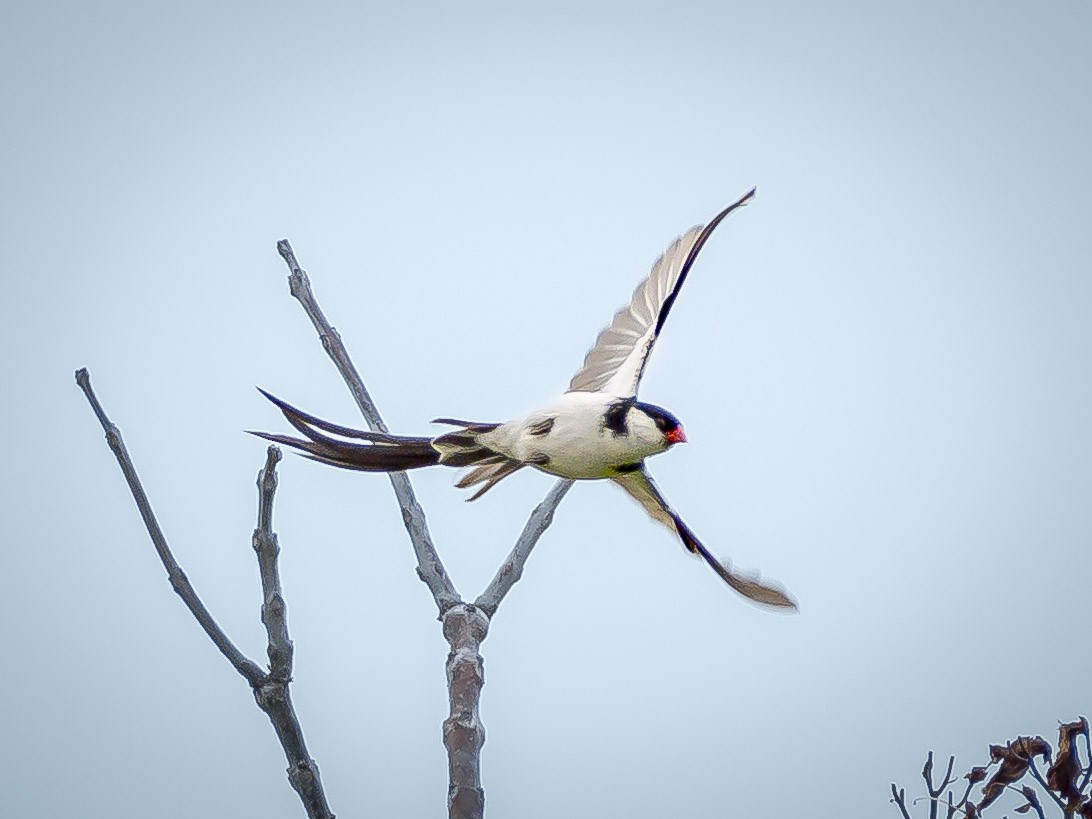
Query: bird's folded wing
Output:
(640,486)
(617,360)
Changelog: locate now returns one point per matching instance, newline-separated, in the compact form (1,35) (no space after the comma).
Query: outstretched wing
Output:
(616,362)
(640,486)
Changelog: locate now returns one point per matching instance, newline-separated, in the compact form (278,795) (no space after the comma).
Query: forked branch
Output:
(271,689)
(465,625)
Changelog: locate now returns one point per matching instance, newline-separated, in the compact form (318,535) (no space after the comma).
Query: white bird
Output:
(596,430)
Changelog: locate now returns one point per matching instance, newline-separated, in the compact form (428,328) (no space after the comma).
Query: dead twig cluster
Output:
(1063,791)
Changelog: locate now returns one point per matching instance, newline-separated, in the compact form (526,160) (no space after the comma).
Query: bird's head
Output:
(665,422)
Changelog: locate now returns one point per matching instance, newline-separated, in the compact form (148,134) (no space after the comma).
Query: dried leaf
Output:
(1063,776)
(1014,758)
(1028,747)
(976,774)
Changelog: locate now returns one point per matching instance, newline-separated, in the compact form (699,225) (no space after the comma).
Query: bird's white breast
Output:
(578,443)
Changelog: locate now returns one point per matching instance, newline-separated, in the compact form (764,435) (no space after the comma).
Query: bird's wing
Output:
(640,486)
(615,363)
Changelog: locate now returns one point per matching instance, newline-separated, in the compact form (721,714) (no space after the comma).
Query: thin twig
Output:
(948,778)
(274,696)
(512,568)
(898,796)
(179,582)
(429,566)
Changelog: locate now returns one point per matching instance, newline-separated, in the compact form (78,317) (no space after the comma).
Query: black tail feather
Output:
(384,453)
(303,421)
(387,457)
(472,426)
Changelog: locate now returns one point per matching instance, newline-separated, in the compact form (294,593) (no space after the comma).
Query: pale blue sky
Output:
(882,365)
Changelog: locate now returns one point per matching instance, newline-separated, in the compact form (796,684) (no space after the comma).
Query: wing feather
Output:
(616,361)
(642,488)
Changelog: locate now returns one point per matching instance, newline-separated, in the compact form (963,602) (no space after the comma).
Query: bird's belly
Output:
(586,451)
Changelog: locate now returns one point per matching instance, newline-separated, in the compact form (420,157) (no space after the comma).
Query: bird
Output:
(595,430)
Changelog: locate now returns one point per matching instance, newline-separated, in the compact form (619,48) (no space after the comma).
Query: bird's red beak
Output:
(676,436)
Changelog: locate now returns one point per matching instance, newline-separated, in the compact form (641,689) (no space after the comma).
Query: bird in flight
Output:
(596,430)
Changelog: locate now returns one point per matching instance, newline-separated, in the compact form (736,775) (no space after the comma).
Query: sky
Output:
(881,365)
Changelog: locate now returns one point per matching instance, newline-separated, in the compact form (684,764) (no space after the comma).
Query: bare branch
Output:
(299,285)
(179,582)
(429,566)
(512,568)
(273,695)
